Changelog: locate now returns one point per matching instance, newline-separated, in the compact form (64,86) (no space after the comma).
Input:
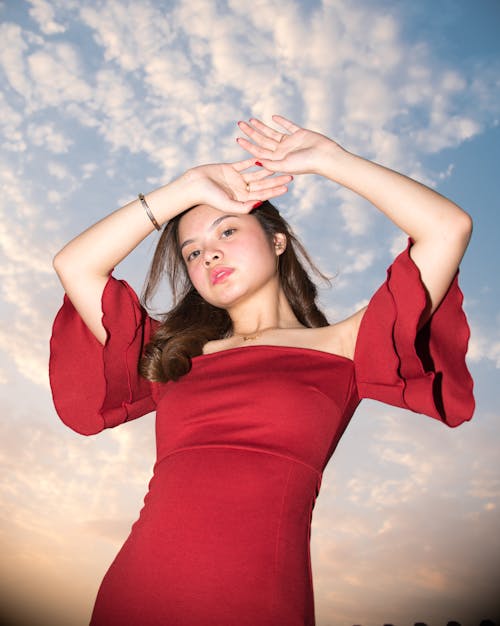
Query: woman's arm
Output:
(84,264)
(439,228)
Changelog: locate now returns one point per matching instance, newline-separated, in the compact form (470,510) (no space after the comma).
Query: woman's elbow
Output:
(60,262)
(66,264)
(465,228)
(459,228)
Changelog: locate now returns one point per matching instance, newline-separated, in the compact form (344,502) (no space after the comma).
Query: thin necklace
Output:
(256,335)
(250,337)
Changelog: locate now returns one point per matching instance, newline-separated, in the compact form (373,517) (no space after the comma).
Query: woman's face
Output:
(228,257)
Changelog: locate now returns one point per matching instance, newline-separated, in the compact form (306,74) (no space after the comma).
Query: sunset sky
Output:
(102,100)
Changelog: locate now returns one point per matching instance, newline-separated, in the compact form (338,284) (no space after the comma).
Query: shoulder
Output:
(340,338)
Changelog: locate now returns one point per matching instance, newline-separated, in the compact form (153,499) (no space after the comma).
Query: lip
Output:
(220,273)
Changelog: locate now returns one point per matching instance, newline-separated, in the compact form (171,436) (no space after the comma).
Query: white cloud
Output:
(354,211)
(484,343)
(14,46)
(27,278)
(130,33)
(58,170)
(56,71)
(10,123)
(398,244)
(46,135)
(44,14)
(446,131)
(88,170)
(357,260)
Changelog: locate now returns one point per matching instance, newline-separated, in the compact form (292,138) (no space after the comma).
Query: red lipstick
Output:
(220,273)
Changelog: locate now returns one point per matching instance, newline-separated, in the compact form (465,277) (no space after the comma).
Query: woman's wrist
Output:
(332,161)
(169,200)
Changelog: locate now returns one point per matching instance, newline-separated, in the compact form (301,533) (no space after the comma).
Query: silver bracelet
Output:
(149,213)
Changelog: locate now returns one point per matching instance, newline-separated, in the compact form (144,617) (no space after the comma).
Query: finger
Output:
(269,182)
(261,139)
(285,123)
(266,130)
(272,192)
(239,166)
(248,205)
(259,174)
(257,151)
(266,194)
(277,165)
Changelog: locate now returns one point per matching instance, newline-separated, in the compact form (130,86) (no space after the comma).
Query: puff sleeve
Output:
(424,371)
(95,386)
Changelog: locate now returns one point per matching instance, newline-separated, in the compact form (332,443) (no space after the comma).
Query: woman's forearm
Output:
(102,246)
(418,210)
(439,228)
(84,264)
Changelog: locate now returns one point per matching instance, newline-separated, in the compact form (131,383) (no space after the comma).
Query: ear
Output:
(279,243)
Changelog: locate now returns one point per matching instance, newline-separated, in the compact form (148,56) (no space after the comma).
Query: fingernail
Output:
(257,204)
(258,163)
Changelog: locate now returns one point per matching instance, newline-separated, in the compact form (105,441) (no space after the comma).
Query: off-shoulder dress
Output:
(242,441)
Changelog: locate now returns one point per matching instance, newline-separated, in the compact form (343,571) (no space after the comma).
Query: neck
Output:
(250,321)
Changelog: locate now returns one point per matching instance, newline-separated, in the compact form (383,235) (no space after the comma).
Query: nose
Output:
(211,257)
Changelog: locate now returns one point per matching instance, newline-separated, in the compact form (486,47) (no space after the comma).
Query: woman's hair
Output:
(192,321)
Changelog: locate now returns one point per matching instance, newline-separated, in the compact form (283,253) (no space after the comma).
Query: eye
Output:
(192,255)
(228,232)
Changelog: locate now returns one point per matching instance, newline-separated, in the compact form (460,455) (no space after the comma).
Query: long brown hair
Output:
(192,321)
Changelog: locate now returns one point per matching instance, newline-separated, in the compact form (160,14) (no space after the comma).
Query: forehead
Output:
(194,219)
(202,218)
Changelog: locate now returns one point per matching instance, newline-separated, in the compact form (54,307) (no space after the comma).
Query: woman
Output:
(253,389)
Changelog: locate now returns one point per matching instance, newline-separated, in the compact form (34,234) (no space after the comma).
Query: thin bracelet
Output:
(149,213)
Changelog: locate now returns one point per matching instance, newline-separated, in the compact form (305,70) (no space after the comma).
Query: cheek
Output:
(260,255)
(194,272)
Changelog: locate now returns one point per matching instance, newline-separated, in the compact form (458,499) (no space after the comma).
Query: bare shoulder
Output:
(340,338)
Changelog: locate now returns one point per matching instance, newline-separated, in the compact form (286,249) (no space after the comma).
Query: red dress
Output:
(242,440)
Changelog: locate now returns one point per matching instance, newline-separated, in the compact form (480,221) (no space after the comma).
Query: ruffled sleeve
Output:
(95,386)
(423,371)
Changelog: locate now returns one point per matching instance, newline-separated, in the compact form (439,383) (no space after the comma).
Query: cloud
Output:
(46,135)
(429,489)
(56,71)
(358,260)
(12,59)
(355,212)
(10,125)
(43,13)
(28,282)
(484,343)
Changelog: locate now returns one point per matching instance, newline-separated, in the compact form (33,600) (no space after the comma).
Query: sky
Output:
(102,100)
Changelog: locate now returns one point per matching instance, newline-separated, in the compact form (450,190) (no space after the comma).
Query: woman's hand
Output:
(295,150)
(230,187)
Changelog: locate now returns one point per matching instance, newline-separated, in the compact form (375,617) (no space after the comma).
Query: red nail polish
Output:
(257,204)
(258,163)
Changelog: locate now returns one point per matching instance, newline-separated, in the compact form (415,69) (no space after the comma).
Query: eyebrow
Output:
(214,224)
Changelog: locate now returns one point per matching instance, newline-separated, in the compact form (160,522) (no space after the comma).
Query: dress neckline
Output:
(262,346)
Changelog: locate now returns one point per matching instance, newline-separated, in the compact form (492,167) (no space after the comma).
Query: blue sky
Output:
(101,100)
